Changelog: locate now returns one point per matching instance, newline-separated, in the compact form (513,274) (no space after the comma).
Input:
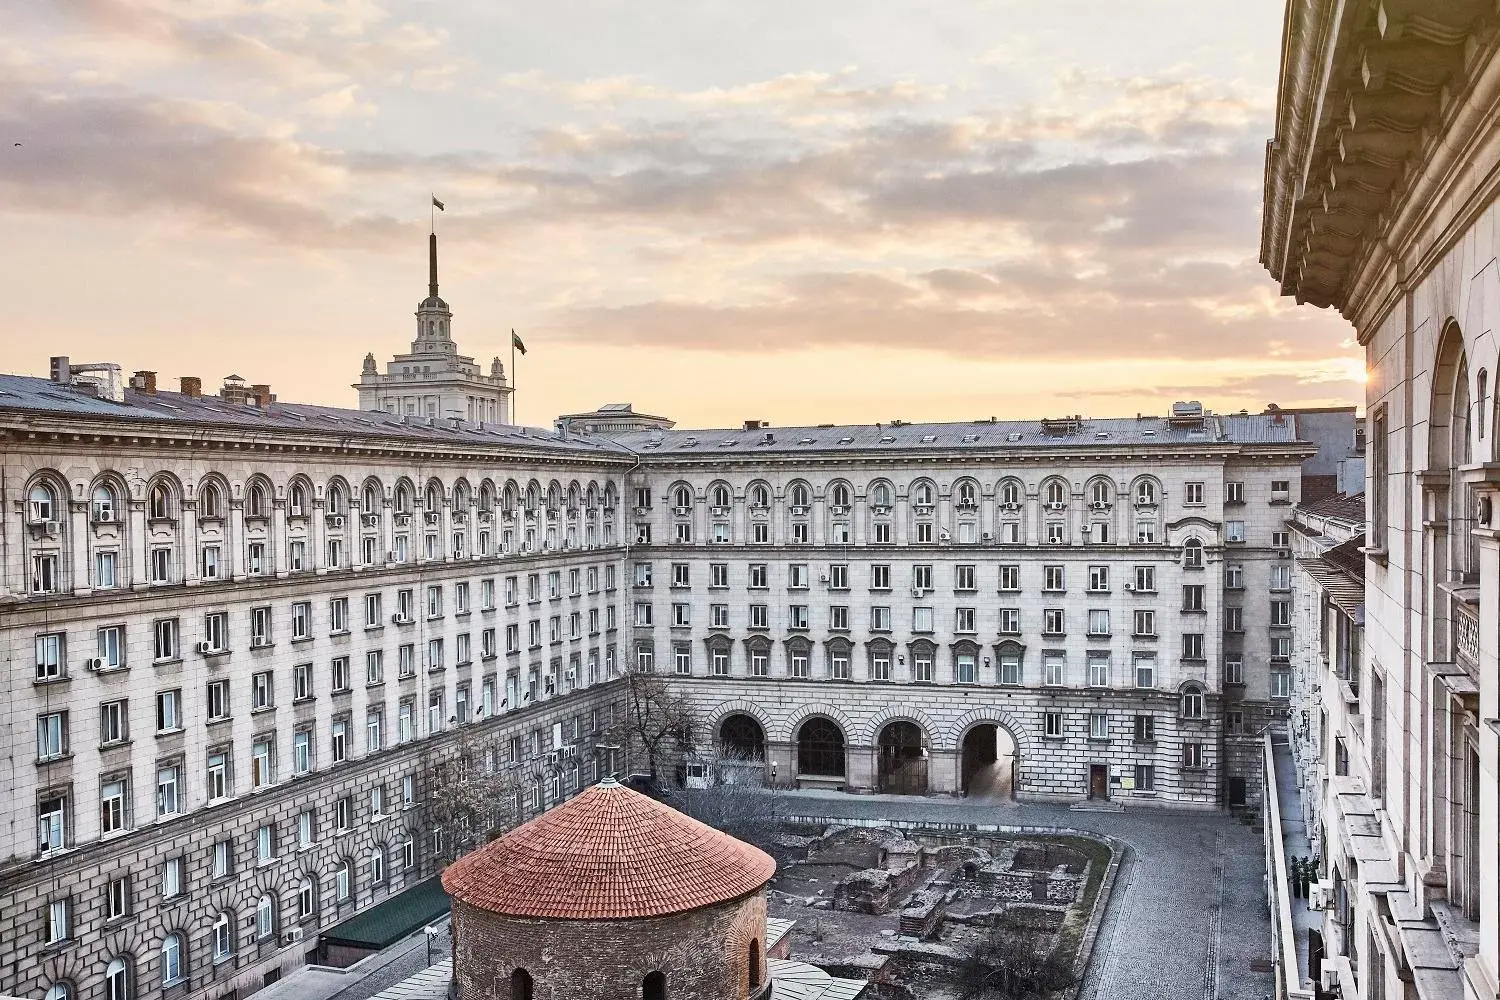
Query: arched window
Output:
(520,985)
(754,963)
(255,501)
(306,899)
(654,986)
(265,917)
(159,504)
(43,503)
(171,959)
(335,498)
(880,495)
(841,495)
(967,496)
(921,495)
(1057,493)
(403,499)
(371,502)
(760,496)
(742,737)
(434,497)
(1145,492)
(297,501)
(117,980)
(377,866)
(820,748)
(341,880)
(1192,702)
(223,935)
(210,501)
(1010,494)
(106,507)
(1101,493)
(1192,554)
(721,495)
(682,497)
(799,495)
(59,991)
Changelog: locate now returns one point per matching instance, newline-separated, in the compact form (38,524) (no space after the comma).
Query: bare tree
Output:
(731,795)
(657,723)
(1011,963)
(469,792)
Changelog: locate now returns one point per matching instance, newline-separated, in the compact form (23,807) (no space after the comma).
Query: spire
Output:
(432,289)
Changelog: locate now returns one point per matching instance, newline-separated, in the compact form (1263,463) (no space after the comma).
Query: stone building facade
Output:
(1380,201)
(1106,603)
(240,634)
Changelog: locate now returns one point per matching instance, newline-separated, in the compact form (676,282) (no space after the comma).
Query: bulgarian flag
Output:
(516,342)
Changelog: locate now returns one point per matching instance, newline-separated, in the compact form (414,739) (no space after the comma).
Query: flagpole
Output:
(514,416)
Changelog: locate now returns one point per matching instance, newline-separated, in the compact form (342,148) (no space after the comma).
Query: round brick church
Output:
(613,896)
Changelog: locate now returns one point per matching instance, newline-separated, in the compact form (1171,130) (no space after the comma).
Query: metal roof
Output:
(1110,432)
(22,393)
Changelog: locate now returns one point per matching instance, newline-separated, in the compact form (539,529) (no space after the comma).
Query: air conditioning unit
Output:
(881,509)
(643,512)
(918,592)
(204,647)
(294,511)
(1130,588)
(1320,894)
(294,935)
(720,511)
(1010,506)
(1283,553)
(1100,505)
(403,519)
(1057,505)
(682,511)
(94,663)
(1055,541)
(335,521)
(839,509)
(987,536)
(370,520)
(398,619)
(797,509)
(433,517)
(485,517)
(822,577)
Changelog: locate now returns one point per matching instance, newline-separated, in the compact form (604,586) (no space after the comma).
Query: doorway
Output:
(1098,781)
(988,767)
(903,760)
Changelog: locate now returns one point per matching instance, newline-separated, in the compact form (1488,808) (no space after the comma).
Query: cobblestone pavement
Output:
(1188,916)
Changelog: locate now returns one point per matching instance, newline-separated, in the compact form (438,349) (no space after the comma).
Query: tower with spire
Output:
(433,380)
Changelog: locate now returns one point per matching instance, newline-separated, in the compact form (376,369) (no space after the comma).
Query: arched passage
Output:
(742,736)
(520,985)
(902,767)
(820,748)
(989,762)
(654,986)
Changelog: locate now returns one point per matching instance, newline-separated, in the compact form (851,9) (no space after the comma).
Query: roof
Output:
(23,393)
(1348,507)
(391,919)
(608,854)
(1109,432)
(1340,572)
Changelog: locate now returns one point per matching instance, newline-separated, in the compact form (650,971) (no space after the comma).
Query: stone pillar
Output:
(276,532)
(136,513)
(943,772)
(81,575)
(317,536)
(189,539)
(859,768)
(235,541)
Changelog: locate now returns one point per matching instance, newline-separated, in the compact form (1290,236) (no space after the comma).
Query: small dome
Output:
(608,854)
(433,302)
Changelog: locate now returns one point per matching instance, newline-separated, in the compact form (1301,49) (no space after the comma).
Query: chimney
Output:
(755,425)
(192,386)
(261,396)
(62,372)
(144,382)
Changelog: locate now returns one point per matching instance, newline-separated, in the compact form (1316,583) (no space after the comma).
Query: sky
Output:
(802,212)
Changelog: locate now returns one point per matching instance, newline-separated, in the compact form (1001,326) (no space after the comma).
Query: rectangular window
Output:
(1234,619)
(1010,668)
(1193,494)
(1010,578)
(797,617)
(51,735)
(260,626)
(216,631)
(1145,670)
(217,701)
(1145,579)
(1053,670)
(1098,668)
(338,616)
(1234,492)
(1281,613)
(921,619)
(838,576)
(760,663)
(760,616)
(169,711)
(838,618)
(1099,622)
(302,751)
(880,618)
(106,570)
(49,656)
(161,565)
(880,577)
(1145,778)
(921,667)
(880,667)
(221,864)
(1144,624)
(114,719)
(165,640)
(301,621)
(1145,729)
(52,822)
(1098,579)
(838,666)
(1054,579)
(1010,621)
(171,878)
(922,578)
(302,681)
(1053,622)
(1053,725)
(965,669)
(262,763)
(58,922)
(262,691)
(1098,726)
(339,741)
(218,777)
(964,578)
(1192,756)
(1192,597)
(963,620)
(1192,646)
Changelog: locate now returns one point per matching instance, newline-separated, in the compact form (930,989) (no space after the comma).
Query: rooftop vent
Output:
(971,438)
(846,440)
(1013,437)
(756,425)
(929,438)
(804,440)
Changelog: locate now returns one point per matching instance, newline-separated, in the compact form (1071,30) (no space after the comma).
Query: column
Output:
(81,576)
(189,539)
(317,536)
(276,538)
(137,530)
(235,541)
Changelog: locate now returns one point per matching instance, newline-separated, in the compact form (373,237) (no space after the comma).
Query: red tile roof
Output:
(608,854)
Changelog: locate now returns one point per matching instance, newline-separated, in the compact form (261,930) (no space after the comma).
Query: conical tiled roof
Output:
(608,854)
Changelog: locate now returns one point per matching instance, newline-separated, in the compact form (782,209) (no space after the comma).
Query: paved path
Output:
(1188,916)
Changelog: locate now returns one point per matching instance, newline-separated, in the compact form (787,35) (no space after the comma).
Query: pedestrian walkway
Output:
(1295,845)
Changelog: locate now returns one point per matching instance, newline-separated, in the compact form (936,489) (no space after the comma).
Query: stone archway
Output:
(821,749)
(902,759)
(989,761)
(742,737)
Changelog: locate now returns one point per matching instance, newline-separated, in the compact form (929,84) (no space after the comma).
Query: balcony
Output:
(1466,635)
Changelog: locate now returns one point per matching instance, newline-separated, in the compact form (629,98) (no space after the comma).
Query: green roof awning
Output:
(389,921)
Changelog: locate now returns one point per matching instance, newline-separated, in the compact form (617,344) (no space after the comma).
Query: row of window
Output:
(927,531)
(836,576)
(1145,491)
